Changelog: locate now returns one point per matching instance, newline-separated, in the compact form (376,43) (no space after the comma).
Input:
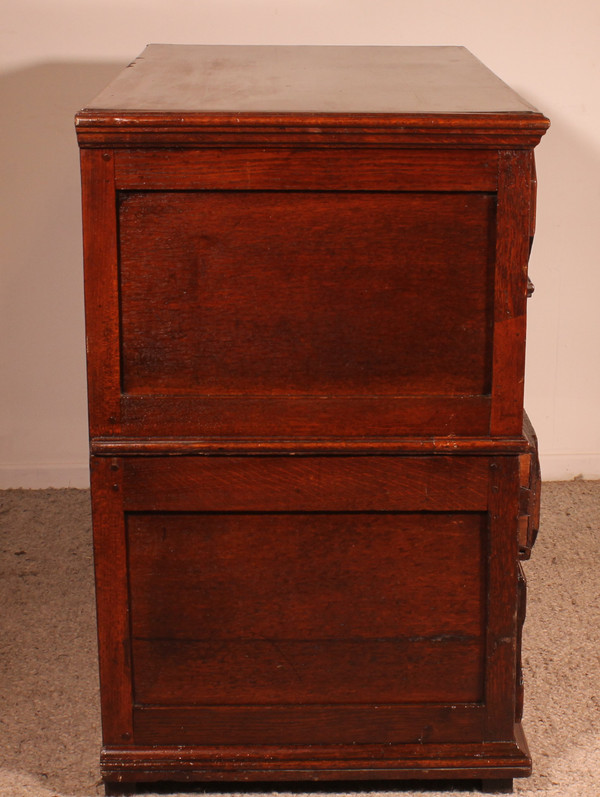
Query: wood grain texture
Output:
(271,608)
(306,169)
(531,492)
(324,96)
(309,484)
(101,129)
(305,79)
(512,255)
(533,213)
(270,672)
(355,762)
(234,418)
(502,598)
(306,293)
(299,446)
(306,280)
(112,600)
(100,258)
(307,576)
(521,615)
(306,724)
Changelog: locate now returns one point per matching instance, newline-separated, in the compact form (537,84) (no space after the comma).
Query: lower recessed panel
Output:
(242,620)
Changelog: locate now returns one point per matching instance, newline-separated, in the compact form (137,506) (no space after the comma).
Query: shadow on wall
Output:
(41,324)
(40,160)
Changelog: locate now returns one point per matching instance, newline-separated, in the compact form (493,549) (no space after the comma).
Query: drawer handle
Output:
(530,288)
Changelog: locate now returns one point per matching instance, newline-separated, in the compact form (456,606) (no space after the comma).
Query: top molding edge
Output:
(101,128)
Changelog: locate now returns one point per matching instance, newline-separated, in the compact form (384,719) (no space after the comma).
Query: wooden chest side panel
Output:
(261,589)
(292,305)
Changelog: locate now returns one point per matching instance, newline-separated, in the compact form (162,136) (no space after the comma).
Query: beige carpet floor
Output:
(49,721)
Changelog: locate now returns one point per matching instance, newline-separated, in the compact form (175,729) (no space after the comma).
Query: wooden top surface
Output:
(308,80)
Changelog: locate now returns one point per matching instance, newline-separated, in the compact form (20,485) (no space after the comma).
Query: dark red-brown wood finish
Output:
(312,478)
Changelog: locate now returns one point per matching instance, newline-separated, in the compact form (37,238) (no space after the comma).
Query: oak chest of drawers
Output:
(312,478)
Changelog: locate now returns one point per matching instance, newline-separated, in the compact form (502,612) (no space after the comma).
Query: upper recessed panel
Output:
(307,79)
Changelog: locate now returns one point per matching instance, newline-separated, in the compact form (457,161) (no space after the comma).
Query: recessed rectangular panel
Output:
(263,609)
(262,293)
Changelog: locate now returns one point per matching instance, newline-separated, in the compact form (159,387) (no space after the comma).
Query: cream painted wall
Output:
(56,54)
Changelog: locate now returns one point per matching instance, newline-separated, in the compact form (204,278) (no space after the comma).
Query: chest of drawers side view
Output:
(312,476)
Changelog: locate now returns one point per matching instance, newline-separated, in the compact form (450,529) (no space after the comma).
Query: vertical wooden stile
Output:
(512,252)
(100,250)
(112,600)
